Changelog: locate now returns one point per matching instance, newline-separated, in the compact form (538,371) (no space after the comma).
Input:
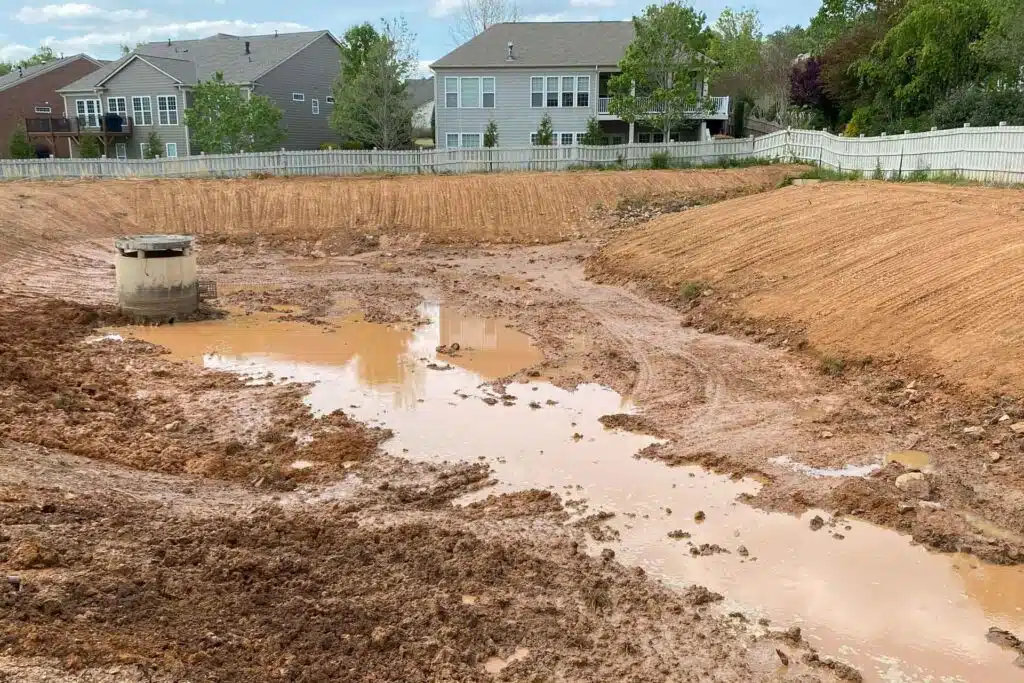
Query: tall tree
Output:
(222,121)
(355,46)
(1003,44)
(373,107)
(661,67)
(476,16)
(43,55)
(736,40)
(19,146)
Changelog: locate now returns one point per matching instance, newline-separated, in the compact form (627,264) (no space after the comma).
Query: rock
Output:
(817,522)
(905,507)
(678,534)
(699,595)
(1004,418)
(14,582)
(998,636)
(317,253)
(976,432)
(607,554)
(782,657)
(699,516)
(172,426)
(930,505)
(994,457)
(742,551)
(1017,428)
(668,511)
(826,435)
(914,484)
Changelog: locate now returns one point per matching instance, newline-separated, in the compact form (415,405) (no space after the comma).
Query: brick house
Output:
(32,92)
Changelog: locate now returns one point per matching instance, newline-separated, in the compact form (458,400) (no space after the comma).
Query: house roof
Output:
(15,78)
(191,61)
(421,91)
(552,44)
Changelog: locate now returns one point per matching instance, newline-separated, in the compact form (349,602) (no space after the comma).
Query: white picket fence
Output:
(988,154)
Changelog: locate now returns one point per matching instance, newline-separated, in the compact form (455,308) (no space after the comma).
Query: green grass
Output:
(833,366)
(692,290)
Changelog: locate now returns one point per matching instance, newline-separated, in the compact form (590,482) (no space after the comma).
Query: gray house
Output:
(149,89)
(515,73)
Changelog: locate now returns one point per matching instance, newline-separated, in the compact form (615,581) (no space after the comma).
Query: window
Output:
(167,109)
(568,90)
(451,92)
(469,95)
(487,86)
(329,99)
(471,140)
(121,150)
(451,140)
(89,111)
(534,138)
(316,107)
(143,149)
(565,139)
(579,138)
(643,138)
(119,106)
(658,137)
(142,109)
(172,150)
(298,97)
(552,91)
(44,110)
(537,91)
(583,91)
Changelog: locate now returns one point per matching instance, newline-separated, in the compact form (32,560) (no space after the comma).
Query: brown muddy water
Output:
(863,594)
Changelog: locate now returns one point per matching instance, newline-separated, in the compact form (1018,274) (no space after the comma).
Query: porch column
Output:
(703,130)
(631,137)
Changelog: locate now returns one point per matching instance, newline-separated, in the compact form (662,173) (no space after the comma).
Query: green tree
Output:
(43,55)
(665,60)
(222,121)
(89,147)
(736,40)
(19,146)
(355,47)
(1003,43)
(546,131)
(373,106)
(154,146)
(491,134)
(593,134)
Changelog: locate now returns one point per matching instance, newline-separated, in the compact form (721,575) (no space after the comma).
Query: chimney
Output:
(511,56)
(168,42)
(247,47)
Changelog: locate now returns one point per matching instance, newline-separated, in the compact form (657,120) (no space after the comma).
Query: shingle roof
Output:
(197,60)
(558,43)
(14,78)
(421,91)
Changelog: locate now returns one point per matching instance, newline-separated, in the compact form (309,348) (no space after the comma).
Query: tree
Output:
(19,146)
(491,134)
(546,131)
(154,146)
(736,40)
(1003,43)
(664,62)
(593,134)
(476,16)
(43,55)
(373,107)
(355,46)
(222,121)
(980,106)
(89,147)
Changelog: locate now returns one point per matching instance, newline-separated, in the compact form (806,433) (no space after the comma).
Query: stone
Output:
(742,550)
(994,457)
(699,516)
(826,435)
(1004,418)
(914,484)
(974,431)
(172,426)
(817,522)
(930,505)
(607,554)
(1017,428)
(905,507)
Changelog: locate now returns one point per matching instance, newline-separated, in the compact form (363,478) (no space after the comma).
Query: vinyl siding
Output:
(138,79)
(311,72)
(512,112)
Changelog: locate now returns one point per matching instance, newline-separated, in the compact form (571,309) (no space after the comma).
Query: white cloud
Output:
(72,11)
(423,68)
(142,34)
(592,3)
(13,52)
(442,8)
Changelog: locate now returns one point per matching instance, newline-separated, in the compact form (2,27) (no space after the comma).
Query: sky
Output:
(99,29)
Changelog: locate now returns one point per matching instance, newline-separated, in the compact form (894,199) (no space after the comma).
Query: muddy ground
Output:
(154,525)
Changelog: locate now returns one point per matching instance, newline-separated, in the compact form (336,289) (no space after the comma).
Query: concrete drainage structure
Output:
(156,276)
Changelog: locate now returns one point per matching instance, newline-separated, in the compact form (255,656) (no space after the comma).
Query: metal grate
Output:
(207,289)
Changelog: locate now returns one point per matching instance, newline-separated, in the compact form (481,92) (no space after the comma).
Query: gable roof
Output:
(15,78)
(549,44)
(191,61)
(421,91)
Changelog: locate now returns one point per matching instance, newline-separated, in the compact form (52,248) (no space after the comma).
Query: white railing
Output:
(988,154)
(719,107)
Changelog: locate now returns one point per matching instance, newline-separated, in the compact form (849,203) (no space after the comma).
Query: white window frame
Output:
(315,105)
(82,109)
(143,147)
(160,100)
(139,113)
(580,91)
(537,92)
(167,150)
(534,137)
(121,150)
(559,93)
(42,109)
(451,87)
(556,92)
(571,92)
(117,101)
(561,140)
(579,139)
(448,138)
(493,93)
(479,95)
(329,99)
(480,140)
(298,97)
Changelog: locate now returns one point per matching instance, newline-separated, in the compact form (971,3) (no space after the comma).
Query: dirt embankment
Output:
(927,275)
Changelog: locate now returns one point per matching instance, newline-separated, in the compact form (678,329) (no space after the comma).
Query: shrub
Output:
(491,134)
(328,146)
(19,146)
(351,144)
(980,107)
(832,366)
(154,146)
(692,290)
(89,147)
(546,131)
(659,160)
(593,134)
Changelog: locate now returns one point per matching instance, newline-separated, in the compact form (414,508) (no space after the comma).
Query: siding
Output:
(311,72)
(512,112)
(140,79)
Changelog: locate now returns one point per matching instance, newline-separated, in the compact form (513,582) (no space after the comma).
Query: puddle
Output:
(847,471)
(894,610)
(495,665)
(915,460)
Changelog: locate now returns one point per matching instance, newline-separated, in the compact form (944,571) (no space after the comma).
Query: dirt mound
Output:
(917,273)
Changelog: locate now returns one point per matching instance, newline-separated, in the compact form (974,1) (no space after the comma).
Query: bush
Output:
(89,147)
(491,134)
(546,131)
(692,290)
(19,146)
(659,160)
(832,366)
(593,134)
(980,107)
(328,146)
(351,144)
(154,146)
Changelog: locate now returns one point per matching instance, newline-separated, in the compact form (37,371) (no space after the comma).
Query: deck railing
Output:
(717,107)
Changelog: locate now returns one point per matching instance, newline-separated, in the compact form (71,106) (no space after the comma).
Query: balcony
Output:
(78,126)
(718,109)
